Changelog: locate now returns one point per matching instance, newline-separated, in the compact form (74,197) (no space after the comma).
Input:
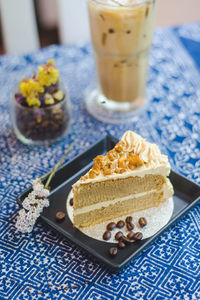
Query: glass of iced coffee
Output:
(121,32)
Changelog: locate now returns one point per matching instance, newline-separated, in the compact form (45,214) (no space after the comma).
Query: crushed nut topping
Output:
(135,160)
(98,160)
(109,165)
(112,155)
(107,172)
(92,174)
(120,171)
(119,147)
(117,160)
(122,162)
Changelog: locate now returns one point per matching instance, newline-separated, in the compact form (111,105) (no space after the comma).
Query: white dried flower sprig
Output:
(36,200)
(33,205)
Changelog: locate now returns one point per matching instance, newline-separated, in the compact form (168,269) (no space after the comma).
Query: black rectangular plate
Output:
(187,194)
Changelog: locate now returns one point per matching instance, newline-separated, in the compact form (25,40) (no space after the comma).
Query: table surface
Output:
(43,265)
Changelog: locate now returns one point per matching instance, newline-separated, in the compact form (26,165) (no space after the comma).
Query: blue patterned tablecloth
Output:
(42,265)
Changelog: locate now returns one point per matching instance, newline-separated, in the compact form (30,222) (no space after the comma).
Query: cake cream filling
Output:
(167,191)
(89,208)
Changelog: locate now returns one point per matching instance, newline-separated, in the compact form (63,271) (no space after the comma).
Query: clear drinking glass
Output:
(121,32)
(42,125)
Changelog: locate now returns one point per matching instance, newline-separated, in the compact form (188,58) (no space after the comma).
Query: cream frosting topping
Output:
(146,151)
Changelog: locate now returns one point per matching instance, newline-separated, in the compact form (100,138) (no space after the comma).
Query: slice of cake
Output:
(131,177)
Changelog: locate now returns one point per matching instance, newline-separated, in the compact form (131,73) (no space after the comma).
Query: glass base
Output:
(113,112)
(30,142)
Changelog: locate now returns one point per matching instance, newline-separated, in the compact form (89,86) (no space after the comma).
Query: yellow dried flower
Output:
(30,87)
(48,74)
(58,95)
(51,61)
(49,100)
(33,102)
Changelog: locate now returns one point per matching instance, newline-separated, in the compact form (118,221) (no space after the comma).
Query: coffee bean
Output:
(60,215)
(130,235)
(130,226)
(121,244)
(106,235)
(124,239)
(129,219)
(142,221)
(71,201)
(113,251)
(120,224)
(138,236)
(111,226)
(118,235)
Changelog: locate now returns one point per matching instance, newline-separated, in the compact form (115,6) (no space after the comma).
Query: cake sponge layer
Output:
(97,192)
(119,209)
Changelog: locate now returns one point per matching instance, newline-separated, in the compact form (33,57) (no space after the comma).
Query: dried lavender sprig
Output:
(36,200)
(57,166)
(33,205)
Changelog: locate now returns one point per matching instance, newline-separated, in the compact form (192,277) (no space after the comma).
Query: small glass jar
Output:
(42,125)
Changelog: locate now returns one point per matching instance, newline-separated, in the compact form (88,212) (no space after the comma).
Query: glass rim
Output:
(103,3)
